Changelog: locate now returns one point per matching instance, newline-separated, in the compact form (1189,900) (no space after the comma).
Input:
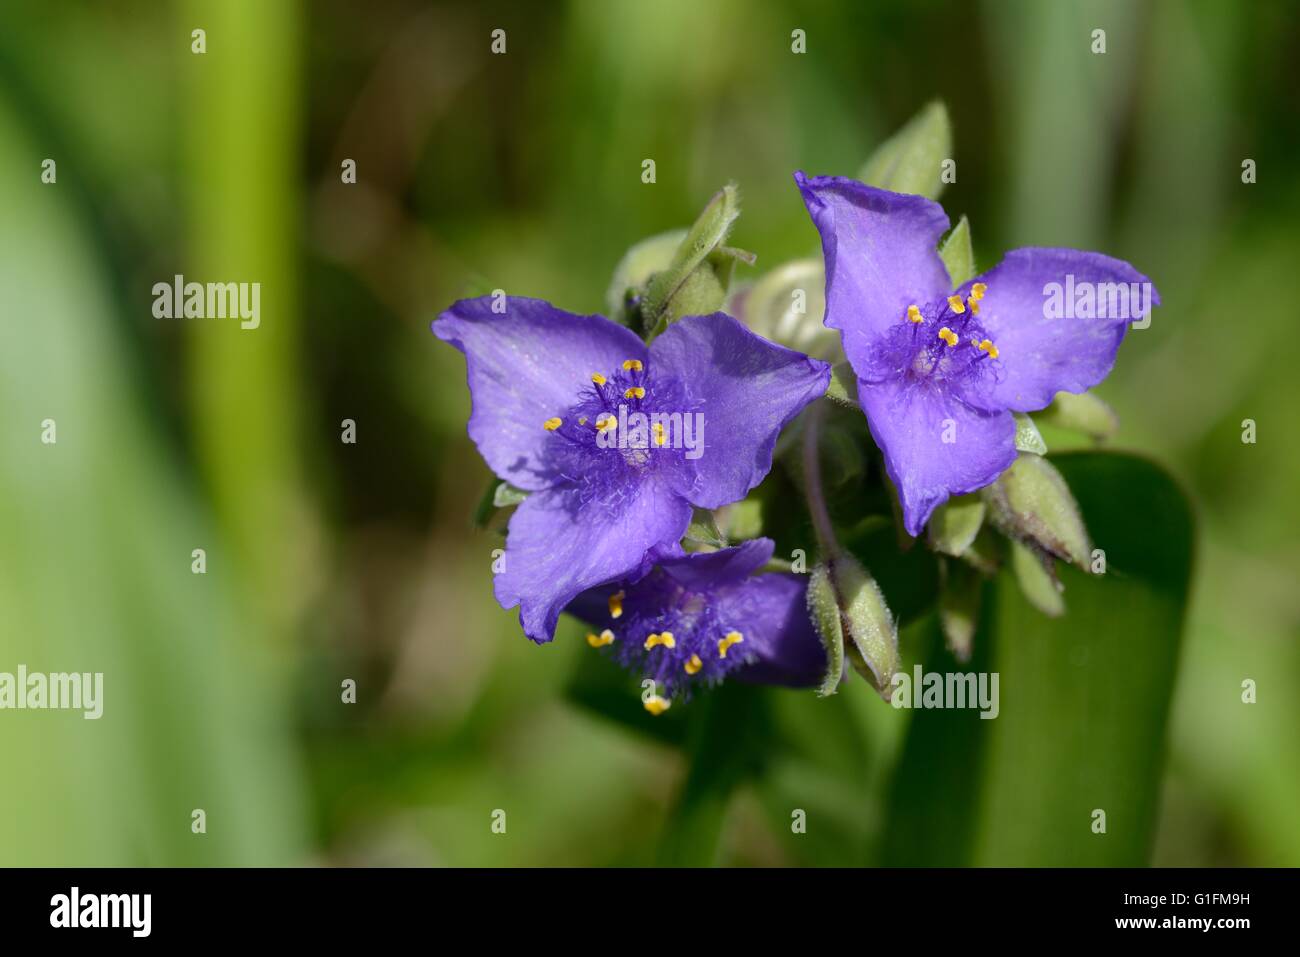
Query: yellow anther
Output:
(606,637)
(636,392)
(661,437)
(656,705)
(550,425)
(956,305)
(913,314)
(974,305)
(616,604)
(606,422)
(731,638)
(663,638)
(633,365)
(582,420)
(978,290)
(693,665)
(948,336)
(990,348)
(597,378)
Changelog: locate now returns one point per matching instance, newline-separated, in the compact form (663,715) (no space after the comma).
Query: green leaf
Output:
(844,385)
(1083,700)
(1028,438)
(690,284)
(729,727)
(909,161)
(638,264)
(1081,412)
(957,254)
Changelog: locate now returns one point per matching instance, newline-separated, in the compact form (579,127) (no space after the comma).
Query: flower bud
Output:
(1031,503)
(845,602)
(1082,412)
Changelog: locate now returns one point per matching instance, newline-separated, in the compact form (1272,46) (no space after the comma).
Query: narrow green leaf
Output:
(957,254)
(1083,699)
(638,264)
(910,160)
(698,290)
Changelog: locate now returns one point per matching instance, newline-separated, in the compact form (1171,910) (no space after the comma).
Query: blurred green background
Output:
(329,561)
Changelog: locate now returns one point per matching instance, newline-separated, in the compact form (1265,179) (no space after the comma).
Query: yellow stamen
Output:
(661,437)
(974,305)
(956,305)
(606,637)
(693,665)
(606,422)
(636,392)
(948,336)
(550,425)
(732,638)
(657,705)
(597,378)
(582,421)
(616,604)
(990,348)
(633,365)
(913,314)
(978,290)
(664,638)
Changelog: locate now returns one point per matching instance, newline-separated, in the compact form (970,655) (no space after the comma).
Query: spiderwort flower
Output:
(607,435)
(940,372)
(700,617)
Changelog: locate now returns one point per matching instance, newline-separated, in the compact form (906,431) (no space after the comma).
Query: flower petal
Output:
(1039,355)
(524,366)
(733,564)
(771,611)
(558,545)
(881,256)
(747,388)
(934,444)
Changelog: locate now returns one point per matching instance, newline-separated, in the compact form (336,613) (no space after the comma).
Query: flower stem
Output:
(812,474)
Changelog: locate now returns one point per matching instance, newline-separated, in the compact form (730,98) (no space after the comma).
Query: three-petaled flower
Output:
(698,618)
(582,414)
(940,371)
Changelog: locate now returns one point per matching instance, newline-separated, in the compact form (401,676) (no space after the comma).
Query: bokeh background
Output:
(329,561)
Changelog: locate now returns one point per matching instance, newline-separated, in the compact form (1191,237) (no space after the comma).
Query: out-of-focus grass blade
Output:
(1084,699)
(98,529)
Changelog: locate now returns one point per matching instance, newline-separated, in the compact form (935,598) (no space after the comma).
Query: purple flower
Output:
(698,618)
(940,372)
(608,436)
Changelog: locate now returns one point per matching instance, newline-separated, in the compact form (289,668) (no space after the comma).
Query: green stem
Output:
(812,473)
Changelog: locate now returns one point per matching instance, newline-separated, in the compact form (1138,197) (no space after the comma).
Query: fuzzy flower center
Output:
(626,425)
(672,635)
(939,343)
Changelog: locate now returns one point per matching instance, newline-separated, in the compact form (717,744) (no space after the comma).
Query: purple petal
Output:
(1038,354)
(881,256)
(700,569)
(771,611)
(747,388)
(558,545)
(910,421)
(525,366)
